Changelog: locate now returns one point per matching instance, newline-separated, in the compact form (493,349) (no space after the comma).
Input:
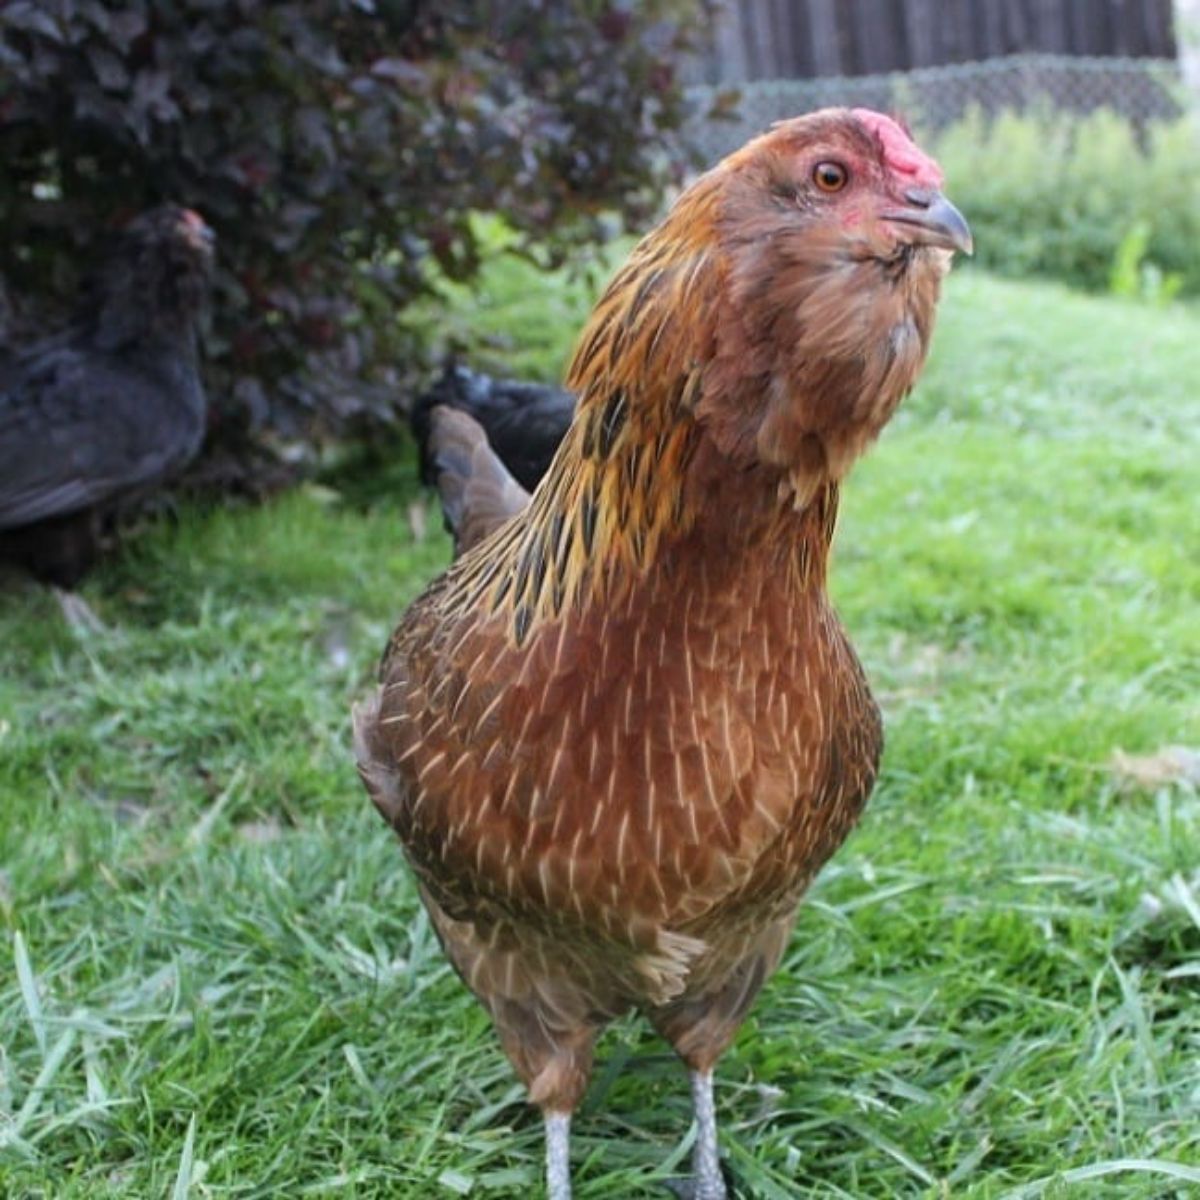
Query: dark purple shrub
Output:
(336,146)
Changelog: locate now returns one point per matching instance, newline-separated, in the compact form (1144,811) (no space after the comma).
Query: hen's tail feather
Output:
(478,494)
(524,421)
(448,390)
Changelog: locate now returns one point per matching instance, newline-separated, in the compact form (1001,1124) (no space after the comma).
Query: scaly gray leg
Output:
(707,1182)
(558,1156)
(706,1162)
(78,614)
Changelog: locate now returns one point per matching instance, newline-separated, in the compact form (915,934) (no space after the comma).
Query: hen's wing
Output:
(79,429)
(478,494)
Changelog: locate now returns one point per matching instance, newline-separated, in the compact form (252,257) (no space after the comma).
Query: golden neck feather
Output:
(708,396)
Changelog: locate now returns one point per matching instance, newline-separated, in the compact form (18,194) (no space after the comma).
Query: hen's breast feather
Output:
(678,763)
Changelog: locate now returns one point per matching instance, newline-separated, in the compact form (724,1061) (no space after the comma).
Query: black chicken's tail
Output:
(477,492)
(524,421)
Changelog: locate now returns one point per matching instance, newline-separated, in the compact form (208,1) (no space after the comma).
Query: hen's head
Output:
(850,177)
(831,235)
(157,276)
(171,250)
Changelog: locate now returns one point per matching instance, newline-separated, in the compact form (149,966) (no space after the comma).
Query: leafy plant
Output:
(1086,201)
(338,147)
(1135,277)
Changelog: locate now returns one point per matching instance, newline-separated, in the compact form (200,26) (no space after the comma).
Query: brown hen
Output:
(625,729)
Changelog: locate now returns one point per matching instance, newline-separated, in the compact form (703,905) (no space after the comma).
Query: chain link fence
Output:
(1141,90)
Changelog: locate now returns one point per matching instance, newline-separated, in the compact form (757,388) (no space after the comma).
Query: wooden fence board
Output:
(768,39)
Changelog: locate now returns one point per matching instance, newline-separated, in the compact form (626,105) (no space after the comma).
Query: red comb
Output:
(900,152)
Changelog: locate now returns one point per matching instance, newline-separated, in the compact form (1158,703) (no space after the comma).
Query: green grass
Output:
(214,967)
(515,322)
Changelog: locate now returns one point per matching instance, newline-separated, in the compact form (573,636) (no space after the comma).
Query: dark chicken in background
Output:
(105,411)
(524,422)
(622,733)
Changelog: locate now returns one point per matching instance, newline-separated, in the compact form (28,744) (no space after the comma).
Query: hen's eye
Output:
(830,176)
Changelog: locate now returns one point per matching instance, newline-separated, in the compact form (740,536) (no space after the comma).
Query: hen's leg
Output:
(545,1009)
(707,1181)
(558,1157)
(700,1025)
(78,613)
(554,1065)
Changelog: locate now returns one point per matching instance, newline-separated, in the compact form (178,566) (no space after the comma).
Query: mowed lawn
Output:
(215,980)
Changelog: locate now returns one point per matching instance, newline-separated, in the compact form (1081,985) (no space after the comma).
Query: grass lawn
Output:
(214,968)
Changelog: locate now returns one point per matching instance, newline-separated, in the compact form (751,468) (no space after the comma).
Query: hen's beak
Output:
(933,221)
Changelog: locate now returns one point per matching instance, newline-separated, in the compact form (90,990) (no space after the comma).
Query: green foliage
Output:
(1133,277)
(1125,278)
(1080,199)
(223,972)
(336,146)
(514,320)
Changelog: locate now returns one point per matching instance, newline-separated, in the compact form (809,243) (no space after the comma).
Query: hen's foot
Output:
(691,1189)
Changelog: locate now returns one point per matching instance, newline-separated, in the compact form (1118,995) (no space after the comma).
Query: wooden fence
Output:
(798,39)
